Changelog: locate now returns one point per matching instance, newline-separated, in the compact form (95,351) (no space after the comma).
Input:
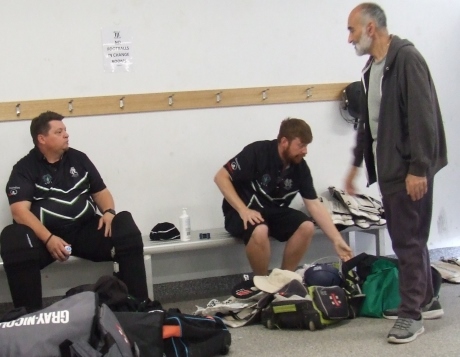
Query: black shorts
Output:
(282,223)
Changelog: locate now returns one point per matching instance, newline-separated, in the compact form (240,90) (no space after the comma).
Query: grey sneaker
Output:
(405,330)
(431,311)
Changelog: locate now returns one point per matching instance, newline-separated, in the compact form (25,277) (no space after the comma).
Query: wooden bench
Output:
(220,238)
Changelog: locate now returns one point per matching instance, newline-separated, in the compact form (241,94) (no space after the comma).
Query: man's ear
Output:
(41,138)
(284,142)
(370,29)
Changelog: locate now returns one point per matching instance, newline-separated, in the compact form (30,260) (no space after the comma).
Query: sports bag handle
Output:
(326,260)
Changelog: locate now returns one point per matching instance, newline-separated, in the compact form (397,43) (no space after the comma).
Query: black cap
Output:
(245,289)
(352,100)
(164,231)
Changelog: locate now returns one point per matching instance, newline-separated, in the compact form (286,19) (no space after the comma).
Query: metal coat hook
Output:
(18,109)
(170,99)
(264,94)
(309,92)
(218,97)
(122,103)
(70,105)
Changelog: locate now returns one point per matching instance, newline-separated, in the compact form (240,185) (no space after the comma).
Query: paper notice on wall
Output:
(117,49)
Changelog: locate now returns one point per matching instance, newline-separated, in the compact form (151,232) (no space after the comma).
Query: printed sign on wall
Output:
(117,49)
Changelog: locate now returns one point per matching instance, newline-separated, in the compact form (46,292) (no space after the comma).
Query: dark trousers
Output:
(409,223)
(24,255)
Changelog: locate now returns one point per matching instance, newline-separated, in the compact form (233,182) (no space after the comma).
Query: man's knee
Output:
(259,235)
(125,233)
(18,244)
(306,229)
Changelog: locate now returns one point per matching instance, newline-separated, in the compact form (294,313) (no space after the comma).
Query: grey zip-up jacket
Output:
(410,137)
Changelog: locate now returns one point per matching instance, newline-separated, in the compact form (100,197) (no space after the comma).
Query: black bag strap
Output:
(353,263)
(69,348)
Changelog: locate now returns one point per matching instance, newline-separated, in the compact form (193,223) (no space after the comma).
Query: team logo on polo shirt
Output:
(73,172)
(13,191)
(287,184)
(234,165)
(47,179)
(266,179)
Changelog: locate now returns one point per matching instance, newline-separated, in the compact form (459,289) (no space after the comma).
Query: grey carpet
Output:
(355,338)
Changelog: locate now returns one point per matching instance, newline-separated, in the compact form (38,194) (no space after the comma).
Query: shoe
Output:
(405,330)
(431,311)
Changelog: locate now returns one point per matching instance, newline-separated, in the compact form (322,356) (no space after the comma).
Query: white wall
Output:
(156,163)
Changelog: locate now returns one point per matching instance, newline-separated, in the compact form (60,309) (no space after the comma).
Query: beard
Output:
(363,46)
(291,159)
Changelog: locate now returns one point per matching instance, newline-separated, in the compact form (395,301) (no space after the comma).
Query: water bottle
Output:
(69,249)
(184,224)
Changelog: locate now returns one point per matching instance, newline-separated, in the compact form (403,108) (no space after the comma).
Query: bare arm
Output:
(349,180)
(22,215)
(104,201)
(224,182)
(324,221)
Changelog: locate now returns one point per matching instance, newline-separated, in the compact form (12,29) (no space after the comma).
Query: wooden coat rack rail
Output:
(152,102)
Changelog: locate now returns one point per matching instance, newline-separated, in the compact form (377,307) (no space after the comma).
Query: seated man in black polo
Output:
(54,193)
(258,185)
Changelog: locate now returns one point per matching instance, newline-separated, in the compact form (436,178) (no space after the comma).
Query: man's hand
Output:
(106,222)
(251,216)
(349,185)
(416,186)
(343,250)
(56,246)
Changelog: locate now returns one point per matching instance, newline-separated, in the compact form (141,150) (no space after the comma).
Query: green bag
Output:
(381,288)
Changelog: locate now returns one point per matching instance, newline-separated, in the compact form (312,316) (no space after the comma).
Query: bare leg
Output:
(297,245)
(258,250)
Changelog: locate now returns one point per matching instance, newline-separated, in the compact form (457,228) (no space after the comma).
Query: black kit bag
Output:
(194,336)
(145,329)
(331,302)
(291,314)
(114,293)
(159,333)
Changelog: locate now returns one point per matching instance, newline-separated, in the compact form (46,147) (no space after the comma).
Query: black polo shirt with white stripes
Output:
(258,177)
(60,193)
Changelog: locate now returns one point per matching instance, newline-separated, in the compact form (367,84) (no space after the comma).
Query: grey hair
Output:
(375,12)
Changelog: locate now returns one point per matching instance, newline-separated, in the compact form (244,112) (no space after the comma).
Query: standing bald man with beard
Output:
(401,139)
(258,185)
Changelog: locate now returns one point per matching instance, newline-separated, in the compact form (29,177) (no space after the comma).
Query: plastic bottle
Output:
(69,249)
(184,223)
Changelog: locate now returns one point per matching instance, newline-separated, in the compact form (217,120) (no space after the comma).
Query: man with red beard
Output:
(258,185)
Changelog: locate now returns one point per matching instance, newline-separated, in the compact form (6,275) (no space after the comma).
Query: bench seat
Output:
(220,237)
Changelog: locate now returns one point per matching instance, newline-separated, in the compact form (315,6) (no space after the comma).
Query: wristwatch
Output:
(110,210)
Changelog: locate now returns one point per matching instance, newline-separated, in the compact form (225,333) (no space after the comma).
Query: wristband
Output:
(48,239)
(110,210)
